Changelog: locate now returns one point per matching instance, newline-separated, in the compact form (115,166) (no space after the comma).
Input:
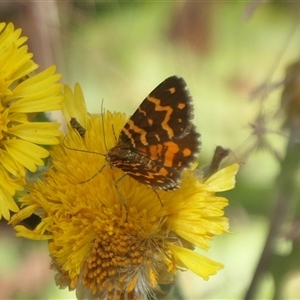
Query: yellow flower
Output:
(20,97)
(108,250)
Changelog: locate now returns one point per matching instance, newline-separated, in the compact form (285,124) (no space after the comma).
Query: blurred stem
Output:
(40,21)
(285,188)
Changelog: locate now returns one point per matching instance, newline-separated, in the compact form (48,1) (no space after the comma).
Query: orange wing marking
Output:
(172,149)
(168,110)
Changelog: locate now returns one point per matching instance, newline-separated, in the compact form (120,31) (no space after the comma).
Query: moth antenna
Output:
(79,150)
(102,119)
(81,130)
(157,196)
(98,172)
(113,129)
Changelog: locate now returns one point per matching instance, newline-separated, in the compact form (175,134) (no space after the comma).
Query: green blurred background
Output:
(225,50)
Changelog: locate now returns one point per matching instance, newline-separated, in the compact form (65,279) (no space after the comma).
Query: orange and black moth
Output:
(159,141)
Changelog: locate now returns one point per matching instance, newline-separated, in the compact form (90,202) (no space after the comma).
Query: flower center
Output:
(123,255)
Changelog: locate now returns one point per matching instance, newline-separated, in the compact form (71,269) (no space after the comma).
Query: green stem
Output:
(284,196)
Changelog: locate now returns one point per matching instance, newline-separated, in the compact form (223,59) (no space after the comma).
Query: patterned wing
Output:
(162,178)
(159,141)
(143,169)
(165,114)
(177,154)
(162,129)
(169,159)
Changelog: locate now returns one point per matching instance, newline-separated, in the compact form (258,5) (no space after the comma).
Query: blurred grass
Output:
(120,51)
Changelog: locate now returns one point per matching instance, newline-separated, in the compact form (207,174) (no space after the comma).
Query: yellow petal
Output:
(11,36)
(7,203)
(18,117)
(24,213)
(27,154)
(37,84)
(11,166)
(2,25)
(223,180)
(196,262)
(37,94)
(74,105)
(24,232)
(44,133)
(37,105)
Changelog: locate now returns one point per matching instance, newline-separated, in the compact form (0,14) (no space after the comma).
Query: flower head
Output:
(111,247)
(21,96)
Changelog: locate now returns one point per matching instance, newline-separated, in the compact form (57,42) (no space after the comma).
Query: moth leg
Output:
(119,192)
(157,196)
(99,171)
(121,196)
